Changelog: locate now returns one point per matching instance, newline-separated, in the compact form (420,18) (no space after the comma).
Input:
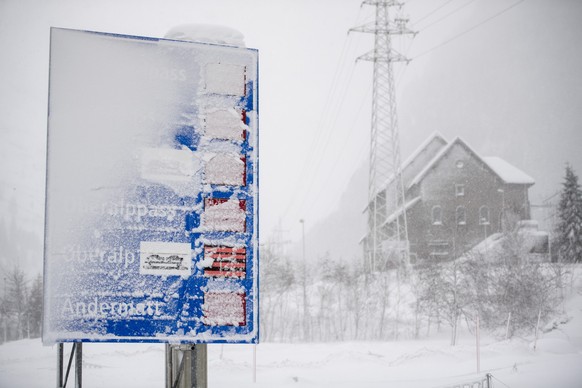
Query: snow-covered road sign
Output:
(152,191)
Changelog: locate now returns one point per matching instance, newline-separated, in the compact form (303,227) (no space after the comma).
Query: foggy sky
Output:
(505,80)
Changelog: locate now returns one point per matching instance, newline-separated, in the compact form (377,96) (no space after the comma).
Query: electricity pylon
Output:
(386,236)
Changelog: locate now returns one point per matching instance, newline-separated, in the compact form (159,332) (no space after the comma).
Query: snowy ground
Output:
(557,362)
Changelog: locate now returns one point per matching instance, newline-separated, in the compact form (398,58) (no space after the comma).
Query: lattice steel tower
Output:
(387,235)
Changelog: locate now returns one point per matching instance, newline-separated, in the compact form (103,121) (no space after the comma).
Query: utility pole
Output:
(385,235)
(277,242)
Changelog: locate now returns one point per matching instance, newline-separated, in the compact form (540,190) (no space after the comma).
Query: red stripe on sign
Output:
(224,249)
(224,252)
(225,255)
(227,258)
(233,258)
(226,261)
(244,120)
(224,274)
(229,265)
(242,204)
(244,177)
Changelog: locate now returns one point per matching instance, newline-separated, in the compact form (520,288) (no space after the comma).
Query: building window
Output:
(459,190)
(439,248)
(459,164)
(483,215)
(437,215)
(461,216)
(413,258)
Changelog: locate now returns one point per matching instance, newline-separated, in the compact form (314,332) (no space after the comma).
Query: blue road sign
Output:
(152,191)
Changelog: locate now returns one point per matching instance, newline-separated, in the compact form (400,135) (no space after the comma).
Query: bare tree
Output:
(15,302)
(34,308)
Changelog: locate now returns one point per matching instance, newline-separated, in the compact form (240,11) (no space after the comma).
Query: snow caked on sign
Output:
(152,195)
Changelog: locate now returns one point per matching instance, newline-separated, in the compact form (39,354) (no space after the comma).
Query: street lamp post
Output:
(5,315)
(304,284)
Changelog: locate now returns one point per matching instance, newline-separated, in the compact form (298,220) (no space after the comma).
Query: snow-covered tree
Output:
(34,308)
(569,228)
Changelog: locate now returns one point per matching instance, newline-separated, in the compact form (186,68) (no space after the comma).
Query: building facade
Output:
(455,198)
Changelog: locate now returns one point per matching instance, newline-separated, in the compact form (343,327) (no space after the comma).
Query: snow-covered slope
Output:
(555,362)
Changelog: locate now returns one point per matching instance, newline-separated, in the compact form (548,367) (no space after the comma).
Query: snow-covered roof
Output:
(397,213)
(435,136)
(507,172)
(430,164)
(393,216)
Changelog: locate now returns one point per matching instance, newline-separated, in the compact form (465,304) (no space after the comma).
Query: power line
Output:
(326,143)
(434,10)
(448,15)
(331,172)
(314,157)
(470,29)
(335,117)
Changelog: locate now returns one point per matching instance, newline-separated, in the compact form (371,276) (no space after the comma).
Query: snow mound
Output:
(207,33)
(556,346)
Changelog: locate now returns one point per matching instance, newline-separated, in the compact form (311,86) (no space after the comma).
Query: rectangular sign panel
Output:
(152,193)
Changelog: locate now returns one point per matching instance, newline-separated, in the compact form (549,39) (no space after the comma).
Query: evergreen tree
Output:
(569,229)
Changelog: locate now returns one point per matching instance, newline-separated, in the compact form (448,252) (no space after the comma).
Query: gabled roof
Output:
(435,137)
(502,169)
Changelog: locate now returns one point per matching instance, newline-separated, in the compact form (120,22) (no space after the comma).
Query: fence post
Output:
(537,330)
(254,363)
(477,334)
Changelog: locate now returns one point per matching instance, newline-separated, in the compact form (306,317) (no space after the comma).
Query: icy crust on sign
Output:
(227,215)
(207,33)
(148,163)
(224,123)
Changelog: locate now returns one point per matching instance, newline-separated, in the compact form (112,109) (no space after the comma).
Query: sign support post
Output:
(78,349)
(152,198)
(186,366)
(77,354)
(60,365)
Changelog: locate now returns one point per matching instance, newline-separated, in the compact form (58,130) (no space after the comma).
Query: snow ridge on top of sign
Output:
(207,33)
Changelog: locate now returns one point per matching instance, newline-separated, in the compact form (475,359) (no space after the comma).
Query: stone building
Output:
(455,198)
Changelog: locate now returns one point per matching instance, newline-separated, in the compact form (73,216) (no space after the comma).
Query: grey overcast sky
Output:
(502,74)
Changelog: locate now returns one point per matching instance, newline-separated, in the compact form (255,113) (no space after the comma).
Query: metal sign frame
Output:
(151,227)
